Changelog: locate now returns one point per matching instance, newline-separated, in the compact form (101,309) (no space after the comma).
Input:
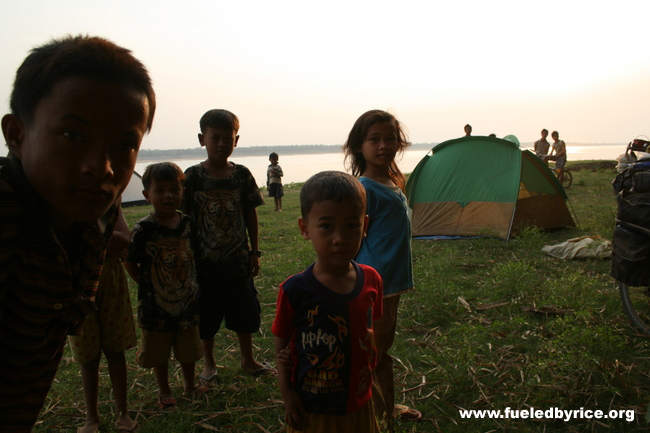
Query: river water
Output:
(298,168)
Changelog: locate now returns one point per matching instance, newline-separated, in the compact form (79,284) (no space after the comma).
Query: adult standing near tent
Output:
(372,145)
(468,130)
(542,145)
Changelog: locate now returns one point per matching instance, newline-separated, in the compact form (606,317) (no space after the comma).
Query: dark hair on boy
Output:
(162,172)
(331,185)
(545,131)
(219,119)
(274,155)
(76,56)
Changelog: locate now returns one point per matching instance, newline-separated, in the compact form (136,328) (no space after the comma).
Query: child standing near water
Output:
(374,141)
(274,180)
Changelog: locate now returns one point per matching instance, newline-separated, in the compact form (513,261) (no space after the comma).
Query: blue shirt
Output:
(387,248)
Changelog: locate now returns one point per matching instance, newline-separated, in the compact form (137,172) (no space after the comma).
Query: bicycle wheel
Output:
(636,304)
(567,179)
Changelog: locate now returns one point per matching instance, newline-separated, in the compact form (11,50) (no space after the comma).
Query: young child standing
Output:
(374,141)
(80,107)
(109,329)
(222,197)
(326,313)
(161,260)
(274,180)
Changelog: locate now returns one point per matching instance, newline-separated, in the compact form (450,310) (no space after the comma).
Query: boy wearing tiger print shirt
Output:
(161,260)
(222,197)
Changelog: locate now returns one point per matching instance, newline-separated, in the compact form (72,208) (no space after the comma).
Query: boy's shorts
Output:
(560,162)
(361,421)
(155,347)
(233,299)
(276,190)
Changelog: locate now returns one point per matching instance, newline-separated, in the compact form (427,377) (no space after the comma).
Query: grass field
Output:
(491,325)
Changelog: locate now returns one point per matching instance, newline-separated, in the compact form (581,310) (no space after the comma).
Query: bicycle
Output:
(631,240)
(636,305)
(566,179)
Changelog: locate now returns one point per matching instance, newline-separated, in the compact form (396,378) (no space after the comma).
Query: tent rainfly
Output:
(484,186)
(132,195)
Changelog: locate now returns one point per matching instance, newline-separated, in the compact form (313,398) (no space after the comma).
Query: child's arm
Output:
(119,243)
(294,411)
(133,269)
(253,235)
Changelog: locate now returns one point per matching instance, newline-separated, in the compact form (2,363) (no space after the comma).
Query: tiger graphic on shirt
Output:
(173,275)
(220,220)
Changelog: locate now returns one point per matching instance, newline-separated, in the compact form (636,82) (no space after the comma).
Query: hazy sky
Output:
(301,72)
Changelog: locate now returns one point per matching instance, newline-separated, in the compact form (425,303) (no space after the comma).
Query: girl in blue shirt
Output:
(374,141)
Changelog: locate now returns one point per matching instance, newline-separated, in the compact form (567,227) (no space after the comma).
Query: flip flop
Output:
(166,402)
(266,368)
(405,413)
(123,428)
(208,380)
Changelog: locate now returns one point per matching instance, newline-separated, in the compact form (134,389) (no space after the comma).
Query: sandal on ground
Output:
(266,368)
(208,380)
(405,413)
(166,402)
(125,429)
(196,392)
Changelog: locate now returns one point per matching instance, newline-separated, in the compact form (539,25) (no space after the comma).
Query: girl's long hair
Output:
(354,158)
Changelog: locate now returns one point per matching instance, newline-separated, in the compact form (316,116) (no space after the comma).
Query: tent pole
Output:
(512,219)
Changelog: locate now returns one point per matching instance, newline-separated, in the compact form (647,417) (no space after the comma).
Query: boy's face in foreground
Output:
(335,230)
(165,196)
(79,151)
(219,143)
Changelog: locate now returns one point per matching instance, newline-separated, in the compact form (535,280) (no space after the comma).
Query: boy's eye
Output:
(127,146)
(71,135)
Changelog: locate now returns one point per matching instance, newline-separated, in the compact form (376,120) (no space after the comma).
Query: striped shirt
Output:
(45,293)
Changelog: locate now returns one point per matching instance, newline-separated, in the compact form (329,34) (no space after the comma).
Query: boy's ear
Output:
(236,140)
(145,193)
(13,130)
(201,139)
(304,231)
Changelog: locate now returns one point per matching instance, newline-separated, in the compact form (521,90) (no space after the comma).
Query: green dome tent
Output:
(484,186)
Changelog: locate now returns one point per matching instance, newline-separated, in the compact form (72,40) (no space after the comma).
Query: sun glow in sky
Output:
(298,72)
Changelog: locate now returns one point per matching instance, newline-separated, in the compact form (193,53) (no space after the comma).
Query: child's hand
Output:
(284,358)
(294,412)
(255,265)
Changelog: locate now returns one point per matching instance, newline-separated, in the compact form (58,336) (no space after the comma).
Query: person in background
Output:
(468,130)
(558,153)
(374,141)
(80,107)
(542,145)
(274,181)
(222,197)
(325,315)
(111,330)
(161,260)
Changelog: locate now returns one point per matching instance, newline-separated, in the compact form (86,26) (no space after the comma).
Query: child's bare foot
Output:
(89,427)
(197,391)
(126,424)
